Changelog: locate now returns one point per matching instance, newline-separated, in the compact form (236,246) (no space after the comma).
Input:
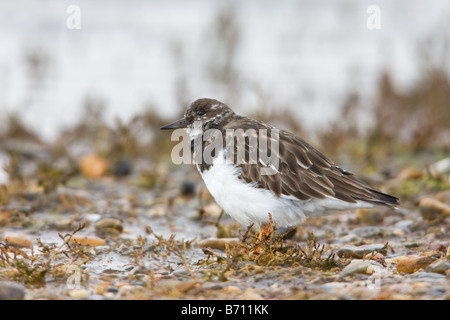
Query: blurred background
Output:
(318,68)
(86,85)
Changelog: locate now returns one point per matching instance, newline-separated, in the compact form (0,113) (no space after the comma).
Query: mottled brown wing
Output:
(302,171)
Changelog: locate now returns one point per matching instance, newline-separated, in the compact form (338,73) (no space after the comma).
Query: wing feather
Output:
(304,173)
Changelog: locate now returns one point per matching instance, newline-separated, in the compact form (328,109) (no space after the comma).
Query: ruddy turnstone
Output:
(295,182)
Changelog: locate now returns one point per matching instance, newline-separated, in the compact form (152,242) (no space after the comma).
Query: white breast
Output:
(241,200)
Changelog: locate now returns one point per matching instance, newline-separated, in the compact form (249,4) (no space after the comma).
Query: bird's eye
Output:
(200,113)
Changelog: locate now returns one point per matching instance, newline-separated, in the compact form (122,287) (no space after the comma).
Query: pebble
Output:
(88,240)
(4,217)
(410,264)
(212,210)
(19,240)
(140,270)
(79,293)
(158,210)
(440,167)
(438,291)
(185,286)
(358,266)
(168,284)
(440,266)
(62,224)
(397,232)
(430,277)
(102,287)
(181,273)
(102,249)
(11,291)
(123,290)
(112,289)
(405,225)
(187,188)
(333,285)
(232,289)
(93,217)
(370,216)
(410,173)
(432,209)
(368,232)
(93,166)
(251,294)
(444,196)
(122,168)
(359,252)
(217,243)
(351,237)
(438,246)
(412,245)
(108,227)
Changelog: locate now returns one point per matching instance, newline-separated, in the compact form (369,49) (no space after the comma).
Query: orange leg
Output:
(266,229)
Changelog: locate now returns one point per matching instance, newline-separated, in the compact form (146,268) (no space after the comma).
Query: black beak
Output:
(175,125)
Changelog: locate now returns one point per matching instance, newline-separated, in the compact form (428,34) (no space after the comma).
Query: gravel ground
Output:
(113,238)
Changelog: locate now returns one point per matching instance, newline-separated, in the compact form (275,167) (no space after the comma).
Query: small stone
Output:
(351,237)
(370,216)
(94,166)
(405,225)
(376,257)
(108,227)
(432,209)
(4,217)
(185,286)
(212,210)
(444,196)
(11,291)
(113,290)
(428,277)
(181,273)
(187,188)
(140,270)
(369,232)
(19,240)
(333,285)
(438,246)
(398,232)
(251,294)
(440,266)
(440,167)
(410,264)
(88,240)
(168,285)
(358,266)
(410,173)
(78,293)
(121,284)
(93,217)
(158,210)
(102,287)
(123,290)
(359,252)
(122,168)
(232,289)
(62,224)
(218,243)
